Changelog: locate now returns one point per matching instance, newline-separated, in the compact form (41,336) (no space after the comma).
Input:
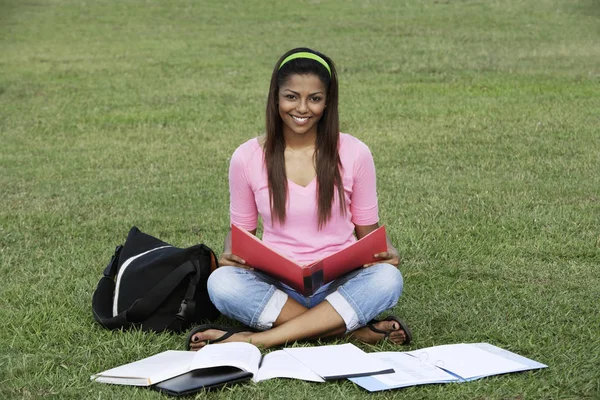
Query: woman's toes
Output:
(398,337)
(201,339)
(397,334)
(387,326)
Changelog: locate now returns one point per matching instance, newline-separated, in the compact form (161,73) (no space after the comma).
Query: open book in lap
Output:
(306,279)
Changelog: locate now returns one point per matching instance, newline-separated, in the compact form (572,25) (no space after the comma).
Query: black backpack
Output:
(151,285)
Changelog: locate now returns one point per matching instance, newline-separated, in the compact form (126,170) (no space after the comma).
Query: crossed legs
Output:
(292,310)
(247,296)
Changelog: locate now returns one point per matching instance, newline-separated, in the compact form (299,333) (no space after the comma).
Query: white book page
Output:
(241,355)
(336,361)
(148,371)
(531,364)
(466,361)
(279,364)
(409,371)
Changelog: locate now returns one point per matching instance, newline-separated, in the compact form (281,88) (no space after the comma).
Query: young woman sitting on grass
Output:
(314,189)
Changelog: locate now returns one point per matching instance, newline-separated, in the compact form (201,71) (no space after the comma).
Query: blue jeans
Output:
(256,299)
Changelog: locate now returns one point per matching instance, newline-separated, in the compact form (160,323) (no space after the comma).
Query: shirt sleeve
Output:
(242,205)
(364,206)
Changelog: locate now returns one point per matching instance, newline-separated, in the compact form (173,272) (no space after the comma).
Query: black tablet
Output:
(203,379)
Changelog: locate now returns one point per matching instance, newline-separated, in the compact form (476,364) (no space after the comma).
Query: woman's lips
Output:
(300,120)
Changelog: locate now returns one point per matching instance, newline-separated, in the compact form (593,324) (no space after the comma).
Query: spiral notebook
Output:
(444,364)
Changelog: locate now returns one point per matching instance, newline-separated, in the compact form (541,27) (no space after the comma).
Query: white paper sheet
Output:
(148,371)
(337,361)
(410,371)
(241,355)
(467,361)
(464,362)
(279,364)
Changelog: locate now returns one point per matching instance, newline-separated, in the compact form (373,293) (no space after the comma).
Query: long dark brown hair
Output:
(327,159)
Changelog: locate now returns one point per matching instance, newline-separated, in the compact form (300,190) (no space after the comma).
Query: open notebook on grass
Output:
(315,364)
(443,364)
(306,279)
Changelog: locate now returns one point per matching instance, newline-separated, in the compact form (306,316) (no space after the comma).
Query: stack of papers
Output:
(443,364)
(220,364)
(315,364)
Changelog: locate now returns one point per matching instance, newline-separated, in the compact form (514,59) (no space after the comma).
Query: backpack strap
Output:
(102,305)
(187,309)
(188,305)
(111,269)
(143,307)
(103,295)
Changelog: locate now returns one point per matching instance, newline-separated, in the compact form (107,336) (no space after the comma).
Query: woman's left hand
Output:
(388,257)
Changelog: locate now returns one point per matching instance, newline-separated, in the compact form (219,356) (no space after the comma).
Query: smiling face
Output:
(302,101)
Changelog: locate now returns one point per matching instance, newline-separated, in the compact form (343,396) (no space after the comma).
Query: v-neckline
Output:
(309,184)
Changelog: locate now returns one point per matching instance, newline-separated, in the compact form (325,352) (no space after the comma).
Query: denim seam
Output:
(355,307)
(261,307)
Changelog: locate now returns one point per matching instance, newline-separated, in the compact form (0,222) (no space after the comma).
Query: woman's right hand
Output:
(228,259)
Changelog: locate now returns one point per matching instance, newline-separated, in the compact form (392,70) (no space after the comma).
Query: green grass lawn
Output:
(483,118)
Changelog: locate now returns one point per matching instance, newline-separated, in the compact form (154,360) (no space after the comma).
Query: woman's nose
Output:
(302,106)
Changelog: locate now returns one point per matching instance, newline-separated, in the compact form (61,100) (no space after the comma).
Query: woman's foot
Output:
(391,328)
(206,334)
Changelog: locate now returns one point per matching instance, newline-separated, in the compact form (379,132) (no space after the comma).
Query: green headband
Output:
(305,54)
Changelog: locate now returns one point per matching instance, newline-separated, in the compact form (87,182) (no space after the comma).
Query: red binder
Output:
(306,279)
